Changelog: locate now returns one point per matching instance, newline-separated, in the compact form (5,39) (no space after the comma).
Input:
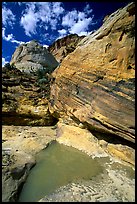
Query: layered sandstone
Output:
(62,47)
(95,84)
(24,98)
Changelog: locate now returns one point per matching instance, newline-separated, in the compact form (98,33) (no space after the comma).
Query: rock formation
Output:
(25,98)
(92,95)
(32,56)
(62,47)
(95,84)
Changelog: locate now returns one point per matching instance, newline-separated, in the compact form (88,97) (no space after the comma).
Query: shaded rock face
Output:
(62,47)
(95,84)
(25,99)
(32,56)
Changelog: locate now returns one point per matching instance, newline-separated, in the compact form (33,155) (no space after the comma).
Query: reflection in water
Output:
(57,166)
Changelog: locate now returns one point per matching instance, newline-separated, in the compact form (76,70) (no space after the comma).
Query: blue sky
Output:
(49,21)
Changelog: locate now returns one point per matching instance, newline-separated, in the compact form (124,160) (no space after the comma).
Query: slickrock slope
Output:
(32,56)
(95,84)
(62,47)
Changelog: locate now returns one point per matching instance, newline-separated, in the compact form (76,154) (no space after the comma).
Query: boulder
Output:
(95,84)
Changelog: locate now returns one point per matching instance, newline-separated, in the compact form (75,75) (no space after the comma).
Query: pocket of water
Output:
(56,166)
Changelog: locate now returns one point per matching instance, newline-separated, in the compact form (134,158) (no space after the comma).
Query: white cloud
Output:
(80,26)
(8,18)
(10,37)
(4,61)
(57,8)
(29,21)
(62,32)
(77,21)
(70,18)
(53,23)
(41,14)
(40,17)
(52,15)
(81,15)
(19,3)
(83,33)
(87,9)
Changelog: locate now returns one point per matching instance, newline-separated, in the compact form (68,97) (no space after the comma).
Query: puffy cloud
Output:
(87,9)
(46,46)
(40,18)
(53,23)
(42,14)
(81,15)
(10,37)
(29,20)
(70,18)
(8,18)
(4,61)
(62,33)
(81,26)
(77,21)
(57,8)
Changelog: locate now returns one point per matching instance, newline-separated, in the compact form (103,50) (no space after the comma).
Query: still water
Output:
(56,166)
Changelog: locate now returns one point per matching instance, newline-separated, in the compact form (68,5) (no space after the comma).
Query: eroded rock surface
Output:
(95,84)
(62,47)
(85,141)
(32,56)
(25,99)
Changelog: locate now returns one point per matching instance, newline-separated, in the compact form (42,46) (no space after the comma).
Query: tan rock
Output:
(125,153)
(24,103)
(79,138)
(85,141)
(95,84)
(62,47)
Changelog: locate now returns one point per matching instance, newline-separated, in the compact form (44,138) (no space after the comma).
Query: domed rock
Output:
(32,56)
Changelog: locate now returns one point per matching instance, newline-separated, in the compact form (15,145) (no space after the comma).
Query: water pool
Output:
(56,166)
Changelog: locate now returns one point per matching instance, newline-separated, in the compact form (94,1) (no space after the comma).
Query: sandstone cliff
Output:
(95,84)
(62,47)
(32,56)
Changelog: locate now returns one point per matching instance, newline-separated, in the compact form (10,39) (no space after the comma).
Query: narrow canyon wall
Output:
(95,84)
